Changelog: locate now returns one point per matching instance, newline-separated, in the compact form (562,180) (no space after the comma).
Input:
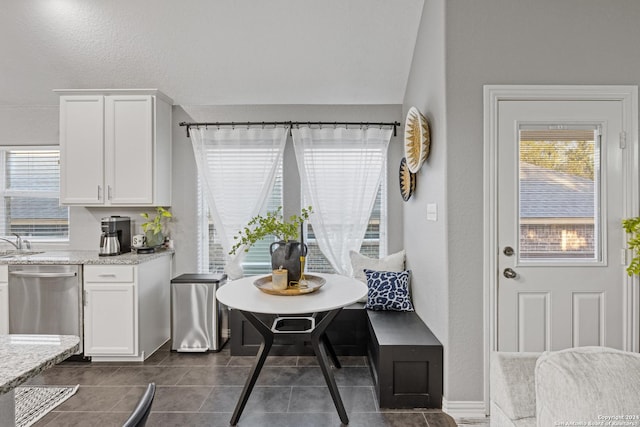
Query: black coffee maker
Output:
(116,235)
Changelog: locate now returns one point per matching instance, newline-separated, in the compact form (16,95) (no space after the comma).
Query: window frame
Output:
(38,194)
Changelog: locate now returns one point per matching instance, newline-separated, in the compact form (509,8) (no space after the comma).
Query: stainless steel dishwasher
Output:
(45,299)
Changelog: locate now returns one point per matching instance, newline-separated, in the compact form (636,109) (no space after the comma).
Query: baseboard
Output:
(464,409)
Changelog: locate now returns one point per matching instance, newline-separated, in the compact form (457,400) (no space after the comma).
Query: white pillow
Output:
(359,262)
(587,384)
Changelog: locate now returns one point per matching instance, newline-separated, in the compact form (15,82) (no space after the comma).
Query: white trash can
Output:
(198,321)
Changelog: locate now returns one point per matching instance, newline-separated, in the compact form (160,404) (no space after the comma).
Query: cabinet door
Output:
(81,149)
(4,308)
(129,149)
(109,313)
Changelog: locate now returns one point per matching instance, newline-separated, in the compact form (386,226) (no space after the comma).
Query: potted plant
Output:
(154,228)
(632,226)
(285,252)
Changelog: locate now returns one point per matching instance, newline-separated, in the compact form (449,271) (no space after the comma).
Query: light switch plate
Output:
(432,212)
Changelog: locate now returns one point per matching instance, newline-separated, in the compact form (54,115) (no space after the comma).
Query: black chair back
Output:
(138,417)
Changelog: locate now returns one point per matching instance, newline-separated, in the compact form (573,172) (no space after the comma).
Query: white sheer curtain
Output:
(340,171)
(238,169)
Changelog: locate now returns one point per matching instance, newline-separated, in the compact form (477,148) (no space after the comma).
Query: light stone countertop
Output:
(83,257)
(25,356)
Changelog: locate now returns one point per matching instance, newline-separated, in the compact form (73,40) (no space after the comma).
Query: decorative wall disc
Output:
(407,180)
(417,139)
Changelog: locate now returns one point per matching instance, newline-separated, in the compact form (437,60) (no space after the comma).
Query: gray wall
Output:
(426,241)
(501,42)
(184,170)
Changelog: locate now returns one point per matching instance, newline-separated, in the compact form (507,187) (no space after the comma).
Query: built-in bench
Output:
(405,357)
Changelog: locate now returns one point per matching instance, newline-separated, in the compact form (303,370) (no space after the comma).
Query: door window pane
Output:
(559,193)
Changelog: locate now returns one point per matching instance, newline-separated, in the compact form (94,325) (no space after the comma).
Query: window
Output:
(374,244)
(30,187)
(559,194)
(258,261)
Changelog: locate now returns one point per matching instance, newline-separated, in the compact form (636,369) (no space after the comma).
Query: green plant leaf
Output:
(632,227)
(270,224)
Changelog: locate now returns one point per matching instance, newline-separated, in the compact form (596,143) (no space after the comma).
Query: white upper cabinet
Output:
(81,150)
(115,148)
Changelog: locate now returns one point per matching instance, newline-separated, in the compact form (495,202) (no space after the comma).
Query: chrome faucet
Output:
(19,242)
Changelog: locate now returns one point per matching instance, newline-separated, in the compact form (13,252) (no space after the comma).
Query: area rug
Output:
(34,402)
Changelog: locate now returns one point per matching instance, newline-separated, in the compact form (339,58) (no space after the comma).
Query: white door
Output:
(560,200)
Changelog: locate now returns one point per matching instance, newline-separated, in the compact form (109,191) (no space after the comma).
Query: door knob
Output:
(509,273)
(508,251)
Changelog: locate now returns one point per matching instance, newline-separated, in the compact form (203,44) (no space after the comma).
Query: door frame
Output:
(493,94)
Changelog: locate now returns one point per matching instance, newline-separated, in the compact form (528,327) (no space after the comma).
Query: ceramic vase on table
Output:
(287,255)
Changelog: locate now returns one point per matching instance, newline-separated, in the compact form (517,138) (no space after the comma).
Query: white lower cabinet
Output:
(109,319)
(126,310)
(4,299)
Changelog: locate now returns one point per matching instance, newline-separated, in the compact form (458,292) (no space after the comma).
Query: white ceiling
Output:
(210,52)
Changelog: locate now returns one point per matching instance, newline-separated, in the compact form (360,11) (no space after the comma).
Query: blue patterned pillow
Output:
(388,290)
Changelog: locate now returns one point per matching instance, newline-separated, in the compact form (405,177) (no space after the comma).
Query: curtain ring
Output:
(233,125)
(262,125)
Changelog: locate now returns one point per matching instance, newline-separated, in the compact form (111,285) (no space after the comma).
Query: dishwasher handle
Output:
(21,273)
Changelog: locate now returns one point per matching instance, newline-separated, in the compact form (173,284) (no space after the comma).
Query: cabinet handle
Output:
(109,191)
(86,298)
(99,192)
(107,275)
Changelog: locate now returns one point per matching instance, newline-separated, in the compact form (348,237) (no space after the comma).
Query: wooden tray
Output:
(313,284)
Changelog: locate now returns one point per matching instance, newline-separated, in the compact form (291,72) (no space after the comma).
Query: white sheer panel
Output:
(340,171)
(238,168)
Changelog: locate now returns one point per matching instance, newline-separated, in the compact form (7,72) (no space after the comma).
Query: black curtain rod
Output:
(197,124)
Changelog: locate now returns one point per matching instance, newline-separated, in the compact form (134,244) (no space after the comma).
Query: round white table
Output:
(324,304)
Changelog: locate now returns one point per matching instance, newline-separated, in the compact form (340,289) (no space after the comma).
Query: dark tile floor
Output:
(195,389)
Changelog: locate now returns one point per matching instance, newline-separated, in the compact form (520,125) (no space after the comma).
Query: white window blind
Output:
(30,187)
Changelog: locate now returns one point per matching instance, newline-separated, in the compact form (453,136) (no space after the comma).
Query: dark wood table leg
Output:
(261,357)
(318,341)
(329,347)
(331,351)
